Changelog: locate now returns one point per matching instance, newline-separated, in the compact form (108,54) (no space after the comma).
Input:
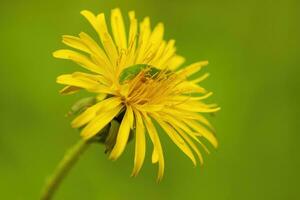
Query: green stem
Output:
(70,158)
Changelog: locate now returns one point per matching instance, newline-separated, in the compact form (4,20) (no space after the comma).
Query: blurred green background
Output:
(252,47)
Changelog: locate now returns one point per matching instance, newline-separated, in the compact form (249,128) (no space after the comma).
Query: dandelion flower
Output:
(140,85)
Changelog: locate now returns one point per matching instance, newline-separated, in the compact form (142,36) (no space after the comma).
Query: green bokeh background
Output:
(252,46)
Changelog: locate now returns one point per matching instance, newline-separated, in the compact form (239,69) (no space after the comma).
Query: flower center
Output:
(149,87)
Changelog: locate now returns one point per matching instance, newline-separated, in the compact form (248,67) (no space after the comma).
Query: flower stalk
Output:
(66,164)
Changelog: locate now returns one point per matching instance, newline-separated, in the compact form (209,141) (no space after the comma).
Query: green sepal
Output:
(111,138)
(81,105)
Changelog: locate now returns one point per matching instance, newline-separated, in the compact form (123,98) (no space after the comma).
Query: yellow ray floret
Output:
(158,91)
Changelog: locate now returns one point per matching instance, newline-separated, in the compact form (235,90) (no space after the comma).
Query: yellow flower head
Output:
(139,86)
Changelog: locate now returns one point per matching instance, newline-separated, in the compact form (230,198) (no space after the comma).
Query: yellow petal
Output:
(202,131)
(155,156)
(201,78)
(157,146)
(95,49)
(97,78)
(140,144)
(203,120)
(123,134)
(190,87)
(106,40)
(149,108)
(195,106)
(69,79)
(175,62)
(133,27)
(175,137)
(118,28)
(202,97)
(186,98)
(75,42)
(157,34)
(92,83)
(191,143)
(101,97)
(155,40)
(158,54)
(91,112)
(145,32)
(178,123)
(79,59)
(99,122)
(69,90)
(167,54)
(193,115)
(91,18)
(99,24)
(131,41)
(193,68)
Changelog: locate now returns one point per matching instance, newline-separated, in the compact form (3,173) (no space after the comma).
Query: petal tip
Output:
(84,12)
(55,54)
